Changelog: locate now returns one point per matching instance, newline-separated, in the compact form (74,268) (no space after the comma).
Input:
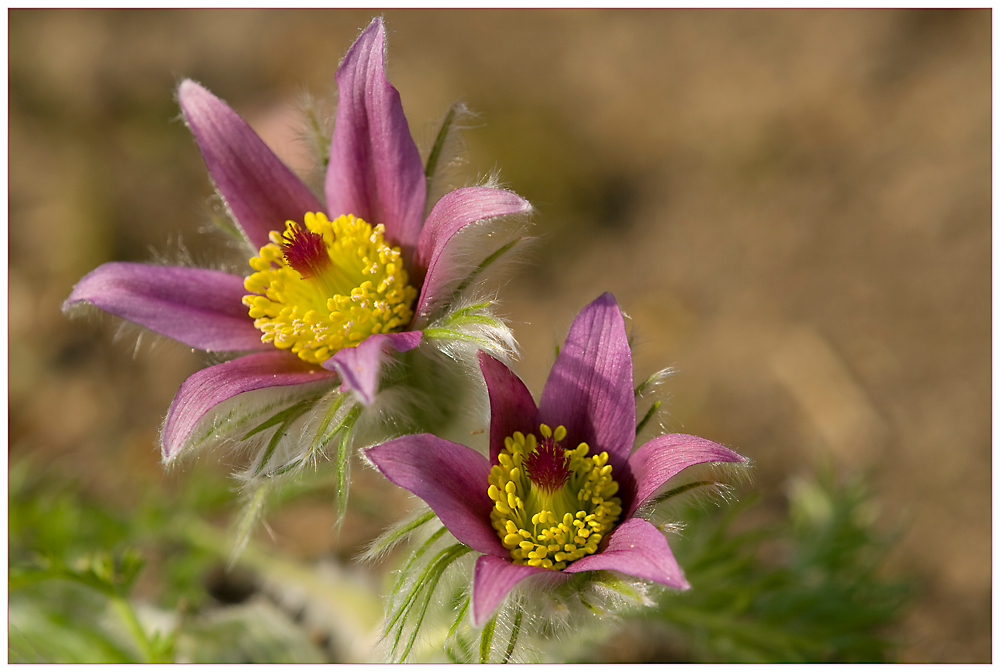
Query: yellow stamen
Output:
(551,528)
(316,297)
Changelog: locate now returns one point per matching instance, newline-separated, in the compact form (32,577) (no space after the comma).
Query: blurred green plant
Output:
(75,566)
(57,557)
(92,584)
(805,589)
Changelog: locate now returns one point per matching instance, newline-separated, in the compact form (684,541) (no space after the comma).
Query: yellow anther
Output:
(315,290)
(546,527)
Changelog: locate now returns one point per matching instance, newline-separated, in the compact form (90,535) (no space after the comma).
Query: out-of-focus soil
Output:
(794,208)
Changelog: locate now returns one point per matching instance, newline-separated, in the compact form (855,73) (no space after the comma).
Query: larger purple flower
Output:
(324,300)
(560,490)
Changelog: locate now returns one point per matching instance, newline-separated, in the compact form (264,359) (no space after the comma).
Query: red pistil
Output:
(546,467)
(305,251)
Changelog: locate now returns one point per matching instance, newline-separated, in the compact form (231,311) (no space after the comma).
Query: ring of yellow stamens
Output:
(551,506)
(326,286)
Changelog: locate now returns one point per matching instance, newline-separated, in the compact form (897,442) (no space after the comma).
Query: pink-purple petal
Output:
(454,211)
(493,578)
(359,367)
(375,171)
(450,477)
(662,458)
(638,549)
(199,307)
(589,389)
(207,388)
(260,191)
(511,407)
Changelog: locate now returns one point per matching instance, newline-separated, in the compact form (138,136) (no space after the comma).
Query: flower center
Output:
(327,285)
(551,506)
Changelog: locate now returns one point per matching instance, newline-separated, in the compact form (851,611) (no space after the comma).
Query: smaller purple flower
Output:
(561,488)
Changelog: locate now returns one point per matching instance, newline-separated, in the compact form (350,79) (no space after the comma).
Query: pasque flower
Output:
(333,287)
(561,488)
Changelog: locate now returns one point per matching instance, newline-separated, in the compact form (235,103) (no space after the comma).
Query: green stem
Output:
(513,635)
(486,262)
(322,438)
(343,455)
(646,418)
(456,335)
(391,538)
(454,552)
(439,141)
(463,610)
(680,490)
(414,557)
(146,648)
(486,640)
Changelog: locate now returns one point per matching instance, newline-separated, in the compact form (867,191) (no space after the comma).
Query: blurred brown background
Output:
(793,206)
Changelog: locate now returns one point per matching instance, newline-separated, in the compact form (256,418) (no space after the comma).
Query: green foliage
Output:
(75,567)
(69,594)
(93,584)
(807,588)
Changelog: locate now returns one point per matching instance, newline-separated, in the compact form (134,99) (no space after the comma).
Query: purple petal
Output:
(450,477)
(196,306)
(360,365)
(662,458)
(636,548)
(493,579)
(375,171)
(511,406)
(454,211)
(260,191)
(209,387)
(589,389)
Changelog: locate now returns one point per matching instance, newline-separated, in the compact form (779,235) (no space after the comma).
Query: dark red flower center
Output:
(305,250)
(546,467)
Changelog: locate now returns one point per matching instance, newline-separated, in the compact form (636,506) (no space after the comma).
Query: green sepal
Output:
(646,418)
(486,263)
(396,534)
(455,335)
(283,419)
(414,558)
(486,640)
(343,460)
(515,631)
(439,142)
(414,606)
(453,325)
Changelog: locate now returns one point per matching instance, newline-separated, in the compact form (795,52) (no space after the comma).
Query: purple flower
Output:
(560,490)
(332,289)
